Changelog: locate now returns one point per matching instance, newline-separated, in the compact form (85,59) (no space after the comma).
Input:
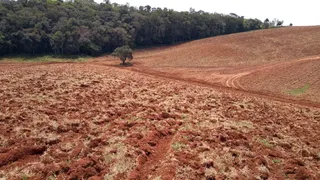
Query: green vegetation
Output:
(265,142)
(177,146)
(24,177)
(276,161)
(124,53)
(86,27)
(52,177)
(44,58)
(299,91)
(184,116)
(275,23)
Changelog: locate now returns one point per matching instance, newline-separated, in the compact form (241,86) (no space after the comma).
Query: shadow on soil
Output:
(127,64)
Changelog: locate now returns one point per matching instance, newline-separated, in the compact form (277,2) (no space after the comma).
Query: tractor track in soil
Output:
(233,80)
(154,147)
(243,92)
(229,83)
(154,163)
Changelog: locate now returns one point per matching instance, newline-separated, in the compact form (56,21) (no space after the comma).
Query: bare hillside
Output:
(251,48)
(275,62)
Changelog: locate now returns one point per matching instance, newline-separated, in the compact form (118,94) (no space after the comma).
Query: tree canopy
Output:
(124,53)
(85,27)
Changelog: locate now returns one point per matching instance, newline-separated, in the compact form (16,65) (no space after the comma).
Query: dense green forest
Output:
(85,27)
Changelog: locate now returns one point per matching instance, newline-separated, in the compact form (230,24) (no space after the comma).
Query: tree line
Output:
(85,27)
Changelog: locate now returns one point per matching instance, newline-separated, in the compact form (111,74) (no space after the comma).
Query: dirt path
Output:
(230,83)
(78,118)
(150,163)
(233,80)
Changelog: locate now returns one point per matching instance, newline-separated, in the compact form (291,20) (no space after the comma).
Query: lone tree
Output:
(279,23)
(124,53)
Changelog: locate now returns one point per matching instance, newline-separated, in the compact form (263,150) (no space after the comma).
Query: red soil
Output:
(95,120)
(85,120)
(269,62)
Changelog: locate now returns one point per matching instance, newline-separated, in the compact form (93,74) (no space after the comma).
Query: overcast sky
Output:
(298,12)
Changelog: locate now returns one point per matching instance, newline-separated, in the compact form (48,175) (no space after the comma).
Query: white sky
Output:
(298,12)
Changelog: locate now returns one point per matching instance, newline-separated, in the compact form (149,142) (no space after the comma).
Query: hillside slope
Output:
(251,48)
(272,62)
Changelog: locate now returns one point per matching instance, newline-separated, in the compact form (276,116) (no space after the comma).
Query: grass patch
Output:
(276,161)
(177,146)
(43,58)
(186,127)
(265,142)
(52,177)
(24,177)
(184,116)
(299,91)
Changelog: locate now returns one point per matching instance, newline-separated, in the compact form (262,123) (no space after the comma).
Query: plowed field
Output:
(271,62)
(207,109)
(86,120)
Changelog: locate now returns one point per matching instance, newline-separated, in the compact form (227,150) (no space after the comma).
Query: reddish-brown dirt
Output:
(240,50)
(96,120)
(91,121)
(270,62)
